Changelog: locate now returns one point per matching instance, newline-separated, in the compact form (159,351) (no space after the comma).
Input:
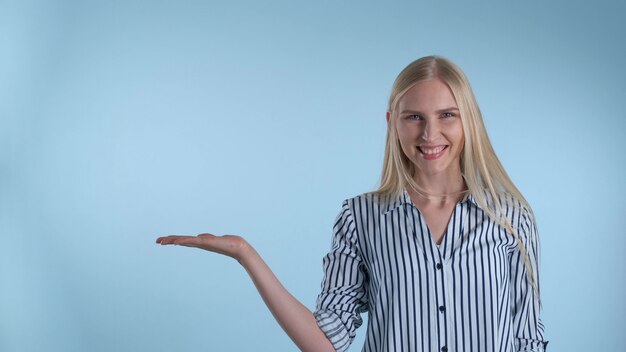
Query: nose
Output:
(430,131)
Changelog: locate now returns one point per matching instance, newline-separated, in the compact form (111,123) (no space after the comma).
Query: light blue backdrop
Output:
(121,121)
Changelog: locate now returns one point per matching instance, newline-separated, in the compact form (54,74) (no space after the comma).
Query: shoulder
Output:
(520,215)
(370,203)
(368,208)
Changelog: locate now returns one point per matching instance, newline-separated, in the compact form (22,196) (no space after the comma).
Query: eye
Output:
(414,117)
(448,114)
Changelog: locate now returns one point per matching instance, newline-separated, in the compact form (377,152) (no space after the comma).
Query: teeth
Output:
(432,150)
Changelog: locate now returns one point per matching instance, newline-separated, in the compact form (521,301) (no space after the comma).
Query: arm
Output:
(528,327)
(295,319)
(344,289)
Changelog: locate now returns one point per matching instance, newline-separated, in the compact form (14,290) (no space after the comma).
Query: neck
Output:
(441,189)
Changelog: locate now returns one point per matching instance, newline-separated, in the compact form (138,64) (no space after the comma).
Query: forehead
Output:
(427,95)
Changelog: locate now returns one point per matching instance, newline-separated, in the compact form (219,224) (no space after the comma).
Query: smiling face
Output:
(430,131)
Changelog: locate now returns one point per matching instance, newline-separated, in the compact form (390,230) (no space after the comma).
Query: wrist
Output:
(246,255)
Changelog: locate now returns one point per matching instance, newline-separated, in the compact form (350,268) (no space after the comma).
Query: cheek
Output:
(461,139)
(405,139)
(406,132)
(403,143)
(459,135)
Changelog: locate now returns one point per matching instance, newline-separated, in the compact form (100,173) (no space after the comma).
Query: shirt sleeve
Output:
(528,328)
(343,294)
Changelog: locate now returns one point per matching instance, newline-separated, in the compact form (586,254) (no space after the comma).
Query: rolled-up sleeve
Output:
(528,328)
(343,295)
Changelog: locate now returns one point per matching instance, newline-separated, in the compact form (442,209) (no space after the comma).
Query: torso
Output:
(383,250)
(437,216)
(437,221)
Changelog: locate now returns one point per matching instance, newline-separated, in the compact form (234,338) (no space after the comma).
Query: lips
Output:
(432,153)
(432,150)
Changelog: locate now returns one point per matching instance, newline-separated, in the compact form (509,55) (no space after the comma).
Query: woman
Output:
(444,256)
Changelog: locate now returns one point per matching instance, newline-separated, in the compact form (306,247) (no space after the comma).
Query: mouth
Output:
(432,151)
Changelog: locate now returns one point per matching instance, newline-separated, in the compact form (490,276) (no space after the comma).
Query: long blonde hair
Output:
(481,169)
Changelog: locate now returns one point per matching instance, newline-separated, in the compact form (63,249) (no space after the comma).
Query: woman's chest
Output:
(399,249)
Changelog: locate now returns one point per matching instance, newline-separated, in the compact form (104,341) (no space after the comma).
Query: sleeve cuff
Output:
(334,330)
(534,346)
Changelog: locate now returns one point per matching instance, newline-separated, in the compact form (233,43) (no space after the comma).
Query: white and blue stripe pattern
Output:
(470,293)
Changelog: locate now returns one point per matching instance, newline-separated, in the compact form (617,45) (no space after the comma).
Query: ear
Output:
(388,117)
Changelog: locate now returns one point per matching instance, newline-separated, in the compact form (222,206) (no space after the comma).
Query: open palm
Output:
(294,317)
(230,245)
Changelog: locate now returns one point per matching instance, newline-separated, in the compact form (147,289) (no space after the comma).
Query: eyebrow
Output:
(438,111)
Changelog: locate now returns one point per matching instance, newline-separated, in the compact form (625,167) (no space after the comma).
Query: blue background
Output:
(122,121)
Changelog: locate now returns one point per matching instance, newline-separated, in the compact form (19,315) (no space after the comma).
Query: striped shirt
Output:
(470,293)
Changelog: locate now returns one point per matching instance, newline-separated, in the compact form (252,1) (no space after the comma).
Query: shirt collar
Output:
(404,198)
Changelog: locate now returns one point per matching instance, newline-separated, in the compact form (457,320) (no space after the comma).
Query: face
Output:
(430,130)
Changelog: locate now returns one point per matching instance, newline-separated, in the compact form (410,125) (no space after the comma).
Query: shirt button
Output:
(442,308)
(438,265)
(444,349)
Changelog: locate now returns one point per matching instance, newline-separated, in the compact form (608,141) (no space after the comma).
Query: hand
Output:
(294,317)
(231,245)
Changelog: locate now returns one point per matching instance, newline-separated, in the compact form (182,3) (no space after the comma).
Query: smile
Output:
(432,153)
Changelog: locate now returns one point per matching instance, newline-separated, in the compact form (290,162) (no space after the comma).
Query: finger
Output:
(172,239)
(188,241)
(206,235)
(165,238)
(168,239)
(160,239)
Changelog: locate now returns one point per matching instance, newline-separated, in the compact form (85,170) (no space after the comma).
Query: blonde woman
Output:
(444,255)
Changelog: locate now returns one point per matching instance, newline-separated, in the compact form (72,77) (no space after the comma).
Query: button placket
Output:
(441,301)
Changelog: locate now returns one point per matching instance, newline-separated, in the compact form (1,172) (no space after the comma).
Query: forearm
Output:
(295,319)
